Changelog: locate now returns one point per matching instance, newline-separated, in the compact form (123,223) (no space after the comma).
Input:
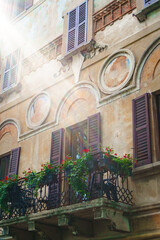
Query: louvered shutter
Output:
(14,162)
(56,159)
(28,4)
(147,3)
(7,73)
(10,74)
(72,30)
(141,130)
(94,132)
(82,23)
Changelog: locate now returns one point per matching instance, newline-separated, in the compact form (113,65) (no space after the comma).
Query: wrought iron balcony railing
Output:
(24,199)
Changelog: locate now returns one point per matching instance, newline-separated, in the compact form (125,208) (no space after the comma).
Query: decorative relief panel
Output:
(38,110)
(116,71)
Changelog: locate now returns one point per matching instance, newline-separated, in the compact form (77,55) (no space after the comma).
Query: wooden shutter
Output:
(56,159)
(82,23)
(147,3)
(72,30)
(28,4)
(94,132)
(141,130)
(14,161)
(10,74)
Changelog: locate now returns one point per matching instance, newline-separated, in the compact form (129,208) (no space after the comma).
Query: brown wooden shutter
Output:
(72,30)
(141,130)
(94,132)
(56,159)
(14,161)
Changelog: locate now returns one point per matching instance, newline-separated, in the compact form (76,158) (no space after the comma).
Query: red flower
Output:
(29,171)
(1,180)
(86,150)
(74,163)
(42,165)
(106,148)
(13,179)
(68,158)
(124,156)
(63,161)
(25,178)
(41,169)
(107,154)
(6,178)
(110,150)
(115,154)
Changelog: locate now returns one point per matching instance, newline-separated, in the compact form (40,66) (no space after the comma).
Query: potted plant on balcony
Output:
(48,174)
(8,187)
(76,174)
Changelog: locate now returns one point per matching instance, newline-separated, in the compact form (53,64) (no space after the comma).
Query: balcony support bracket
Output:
(115,218)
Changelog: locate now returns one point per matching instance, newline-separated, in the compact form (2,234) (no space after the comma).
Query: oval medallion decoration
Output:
(116,71)
(38,110)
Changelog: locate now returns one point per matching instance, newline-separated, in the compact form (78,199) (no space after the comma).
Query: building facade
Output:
(73,70)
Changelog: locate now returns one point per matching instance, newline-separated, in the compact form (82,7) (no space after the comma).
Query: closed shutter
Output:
(94,132)
(82,23)
(14,162)
(56,159)
(147,3)
(77,27)
(141,130)
(28,4)
(10,74)
(72,30)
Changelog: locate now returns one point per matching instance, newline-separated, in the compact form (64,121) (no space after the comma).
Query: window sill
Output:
(146,170)
(86,46)
(17,88)
(142,15)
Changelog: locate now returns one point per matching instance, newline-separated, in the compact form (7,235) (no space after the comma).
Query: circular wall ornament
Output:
(38,110)
(116,72)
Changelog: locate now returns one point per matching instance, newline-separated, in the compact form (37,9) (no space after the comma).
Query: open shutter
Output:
(141,130)
(56,159)
(14,161)
(72,30)
(28,4)
(94,132)
(82,23)
(147,3)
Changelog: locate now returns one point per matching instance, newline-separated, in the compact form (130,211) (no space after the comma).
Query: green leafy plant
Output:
(6,188)
(76,174)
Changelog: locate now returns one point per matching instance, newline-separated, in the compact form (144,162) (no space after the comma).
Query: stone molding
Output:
(13,121)
(102,85)
(42,56)
(28,121)
(112,12)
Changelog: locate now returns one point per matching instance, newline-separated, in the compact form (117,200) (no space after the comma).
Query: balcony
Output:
(54,203)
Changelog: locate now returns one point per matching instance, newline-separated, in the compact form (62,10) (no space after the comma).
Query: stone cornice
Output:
(112,12)
(42,56)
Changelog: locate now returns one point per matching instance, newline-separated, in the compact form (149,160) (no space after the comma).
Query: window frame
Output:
(7,165)
(9,71)
(77,25)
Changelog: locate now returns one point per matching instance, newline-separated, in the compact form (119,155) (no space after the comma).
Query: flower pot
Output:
(50,179)
(92,165)
(108,164)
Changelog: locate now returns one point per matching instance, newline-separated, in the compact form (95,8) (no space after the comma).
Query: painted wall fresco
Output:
(38,110)
(117,71)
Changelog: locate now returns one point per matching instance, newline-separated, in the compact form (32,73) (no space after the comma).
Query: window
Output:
(78,139)
(4,165)
(10,72)
(147,3)
(18,6)
(9,163)
(77,27)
